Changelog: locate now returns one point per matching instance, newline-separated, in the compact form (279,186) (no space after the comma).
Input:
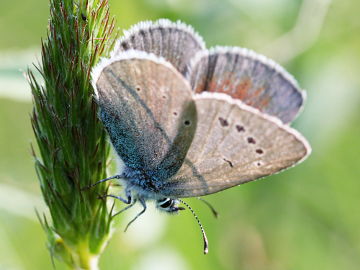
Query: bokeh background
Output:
(305,218)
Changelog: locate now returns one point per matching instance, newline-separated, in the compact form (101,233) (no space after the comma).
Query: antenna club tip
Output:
(206,244)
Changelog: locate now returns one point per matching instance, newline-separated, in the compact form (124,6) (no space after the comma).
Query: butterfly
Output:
(187,121)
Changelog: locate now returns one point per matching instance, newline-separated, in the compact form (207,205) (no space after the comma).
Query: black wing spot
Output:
(251,140)
(187,122)
(259,151)
(164,97)
(142,32)
(175,113)
(240,128)
(229,162)
(138,88)
(258,163)
(223,122)
(125,45)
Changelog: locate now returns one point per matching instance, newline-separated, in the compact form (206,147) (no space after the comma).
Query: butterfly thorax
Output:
(141,184)
(166,204)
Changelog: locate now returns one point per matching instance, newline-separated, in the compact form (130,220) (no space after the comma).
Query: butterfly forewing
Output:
(150,118)
(175,41)
(234,144)
(245,75)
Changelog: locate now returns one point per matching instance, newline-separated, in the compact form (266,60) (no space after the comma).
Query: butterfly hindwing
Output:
(250,77)
(234,144)
(174,41)
(148,111)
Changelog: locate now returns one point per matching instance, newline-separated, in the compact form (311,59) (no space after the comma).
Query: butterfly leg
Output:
(125,208)
(142,201)
(127,201)
(128,196)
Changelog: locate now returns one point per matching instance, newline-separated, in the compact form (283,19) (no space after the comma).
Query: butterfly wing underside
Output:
(150,119)
(174,41)
(233,144)
(243,74)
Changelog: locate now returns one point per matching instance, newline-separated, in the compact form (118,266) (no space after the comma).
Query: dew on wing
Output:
(223,122)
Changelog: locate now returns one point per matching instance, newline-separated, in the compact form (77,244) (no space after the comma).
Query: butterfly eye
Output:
(165,203)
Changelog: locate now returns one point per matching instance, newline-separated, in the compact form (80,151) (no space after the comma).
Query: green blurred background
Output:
(305,218)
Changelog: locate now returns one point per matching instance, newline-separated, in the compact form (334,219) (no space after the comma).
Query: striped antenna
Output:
(206,243)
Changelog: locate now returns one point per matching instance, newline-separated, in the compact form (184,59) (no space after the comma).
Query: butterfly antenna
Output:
(215,213)
(101,181)
(206,243)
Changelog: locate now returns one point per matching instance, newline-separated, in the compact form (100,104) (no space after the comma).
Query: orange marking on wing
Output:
(200,88)
(242,90)
(211,86)
(227,87)
(258,101)
(254,97)
(264,102)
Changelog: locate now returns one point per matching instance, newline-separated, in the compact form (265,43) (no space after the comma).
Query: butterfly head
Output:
(169,205)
